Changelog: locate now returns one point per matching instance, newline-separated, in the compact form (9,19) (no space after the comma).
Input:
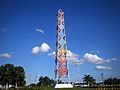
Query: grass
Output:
(75,88)
(48,88)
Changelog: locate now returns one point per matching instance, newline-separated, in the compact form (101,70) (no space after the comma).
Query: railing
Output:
(108,87)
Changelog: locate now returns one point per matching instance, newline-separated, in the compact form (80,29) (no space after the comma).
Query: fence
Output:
(108,87)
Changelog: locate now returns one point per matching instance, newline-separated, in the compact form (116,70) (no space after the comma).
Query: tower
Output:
(61,68)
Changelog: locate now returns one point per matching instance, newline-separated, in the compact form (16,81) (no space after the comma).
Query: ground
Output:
(75,88)
(46,88)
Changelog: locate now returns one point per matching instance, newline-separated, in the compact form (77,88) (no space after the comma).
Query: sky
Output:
(92,27)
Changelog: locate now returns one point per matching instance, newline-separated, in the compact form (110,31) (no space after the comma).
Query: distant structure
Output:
(61,68)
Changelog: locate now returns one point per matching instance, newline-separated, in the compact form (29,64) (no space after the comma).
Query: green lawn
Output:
(75,88)
(46,88)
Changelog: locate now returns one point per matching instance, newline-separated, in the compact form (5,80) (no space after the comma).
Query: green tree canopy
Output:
(11,75)
(45,81)
(111,81)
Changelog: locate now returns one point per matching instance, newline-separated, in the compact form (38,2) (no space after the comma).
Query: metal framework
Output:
(61,68)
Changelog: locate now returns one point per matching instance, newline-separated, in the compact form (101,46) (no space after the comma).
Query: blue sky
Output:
(92,32)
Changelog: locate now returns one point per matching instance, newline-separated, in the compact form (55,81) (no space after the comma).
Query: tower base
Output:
(63,86)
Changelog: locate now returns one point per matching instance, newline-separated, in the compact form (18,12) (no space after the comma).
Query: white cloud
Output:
(36,50)
(71,57)
(96,59)
(42,49)
(103,68)
(74,58)
(40,30)
(52,54)
(5,55)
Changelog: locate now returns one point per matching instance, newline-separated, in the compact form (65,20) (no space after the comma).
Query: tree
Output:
(12,75)
(8,70)
(111,81)
(53,82)
(2,73)
(32,85)
(45,81)
(41,81)
(19,76)
(89,80)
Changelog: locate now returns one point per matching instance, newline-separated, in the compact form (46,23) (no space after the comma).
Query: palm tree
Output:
(89,80)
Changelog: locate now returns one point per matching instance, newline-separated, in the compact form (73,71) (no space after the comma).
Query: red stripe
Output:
(62,70)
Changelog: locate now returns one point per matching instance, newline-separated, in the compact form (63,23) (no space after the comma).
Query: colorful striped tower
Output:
(61,69)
